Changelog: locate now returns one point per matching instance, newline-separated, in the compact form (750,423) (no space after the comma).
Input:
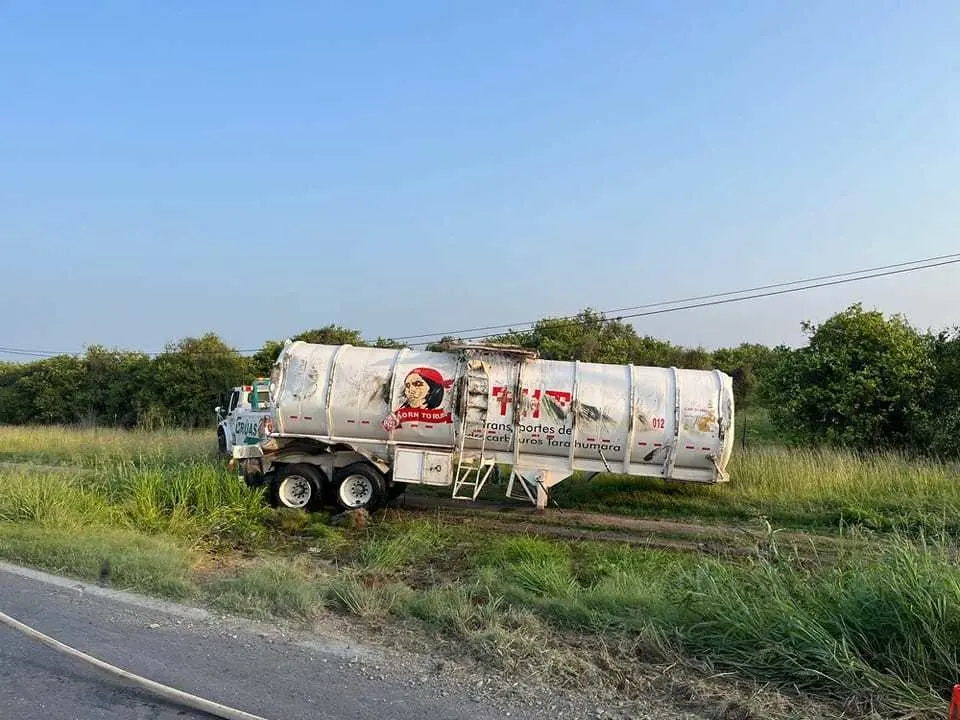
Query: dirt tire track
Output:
(715,539)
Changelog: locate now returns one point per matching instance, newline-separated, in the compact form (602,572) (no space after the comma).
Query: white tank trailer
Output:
(354,426)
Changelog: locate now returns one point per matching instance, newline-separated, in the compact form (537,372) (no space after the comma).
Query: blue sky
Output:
(256,169)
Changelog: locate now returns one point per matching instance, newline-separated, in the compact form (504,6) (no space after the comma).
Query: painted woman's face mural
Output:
(415,390)
(423,388)
(423,393)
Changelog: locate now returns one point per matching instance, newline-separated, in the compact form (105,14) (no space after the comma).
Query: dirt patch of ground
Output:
(721,539)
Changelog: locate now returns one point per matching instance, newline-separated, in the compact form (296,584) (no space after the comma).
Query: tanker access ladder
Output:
(471,476)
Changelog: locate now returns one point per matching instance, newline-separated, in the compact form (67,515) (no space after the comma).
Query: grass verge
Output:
(871,632)
(816,490)
(127,560)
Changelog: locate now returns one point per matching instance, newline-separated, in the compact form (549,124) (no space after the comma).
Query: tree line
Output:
(862,380)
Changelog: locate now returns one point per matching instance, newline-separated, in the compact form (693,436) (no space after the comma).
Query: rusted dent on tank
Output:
(553,409)
(591,413)
(314,378)
(378,388)
(705,422)
(699,419)
(526,405)
(477,385)
(725,421)
(385,391)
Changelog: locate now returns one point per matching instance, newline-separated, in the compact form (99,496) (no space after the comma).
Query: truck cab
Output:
(242,421)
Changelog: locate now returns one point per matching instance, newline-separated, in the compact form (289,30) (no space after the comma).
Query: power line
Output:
(513,326)
(30,353)
(745,297)
(192,353)
(720,298)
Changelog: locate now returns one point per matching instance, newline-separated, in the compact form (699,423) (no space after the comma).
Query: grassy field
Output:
(88,447)
(875,632)
(814,490)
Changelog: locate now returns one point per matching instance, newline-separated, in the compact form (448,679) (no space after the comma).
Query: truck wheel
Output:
(221,443)
(296,486)
(358,486)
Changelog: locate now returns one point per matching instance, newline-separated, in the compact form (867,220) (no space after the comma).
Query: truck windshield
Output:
(260,399)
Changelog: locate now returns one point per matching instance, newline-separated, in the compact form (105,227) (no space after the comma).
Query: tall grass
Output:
(804,489)
(195,501)
(54,500)
(193,505)
(403,545)
(879,631)
(882,631)
(88,447)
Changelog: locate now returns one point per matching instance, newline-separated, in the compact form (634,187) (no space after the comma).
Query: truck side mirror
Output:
(218,410)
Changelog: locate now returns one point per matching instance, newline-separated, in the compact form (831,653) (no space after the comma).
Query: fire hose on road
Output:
(163,691)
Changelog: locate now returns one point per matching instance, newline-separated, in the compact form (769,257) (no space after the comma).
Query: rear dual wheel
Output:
(297,486)
(355,487)
(358,486)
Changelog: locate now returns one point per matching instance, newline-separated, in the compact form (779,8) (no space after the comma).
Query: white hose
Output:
(168,693)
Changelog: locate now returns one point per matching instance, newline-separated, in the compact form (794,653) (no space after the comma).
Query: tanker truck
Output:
(353,427)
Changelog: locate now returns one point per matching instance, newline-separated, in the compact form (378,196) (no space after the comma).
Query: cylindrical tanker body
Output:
(426,416)
(615,418)
(367,396)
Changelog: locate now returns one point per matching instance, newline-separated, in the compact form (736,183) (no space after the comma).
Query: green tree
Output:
(654,352)
(862,381)
(694,359)
(53,390)
(943,407)
(588,337)
(190,378)
(260,364)
(332,335)
(115,381)
(747,364)
(14,406)
(759,358)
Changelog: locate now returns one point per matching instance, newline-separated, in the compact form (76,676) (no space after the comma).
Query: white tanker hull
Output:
(436,417)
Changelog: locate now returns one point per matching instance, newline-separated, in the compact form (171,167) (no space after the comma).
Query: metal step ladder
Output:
(471,477)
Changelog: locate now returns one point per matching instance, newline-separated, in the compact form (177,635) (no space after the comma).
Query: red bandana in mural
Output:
(423,391)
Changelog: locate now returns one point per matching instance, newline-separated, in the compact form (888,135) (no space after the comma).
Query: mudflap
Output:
(248,462)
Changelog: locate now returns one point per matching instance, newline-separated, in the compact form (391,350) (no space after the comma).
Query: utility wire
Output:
(195,353)
(737,299)
(728,293)
(30,353)
(720,298)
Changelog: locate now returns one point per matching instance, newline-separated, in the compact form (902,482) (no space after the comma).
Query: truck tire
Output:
(221,443)
(358,486)
(296,486)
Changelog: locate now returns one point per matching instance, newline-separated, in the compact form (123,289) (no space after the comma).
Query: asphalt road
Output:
(243,665)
